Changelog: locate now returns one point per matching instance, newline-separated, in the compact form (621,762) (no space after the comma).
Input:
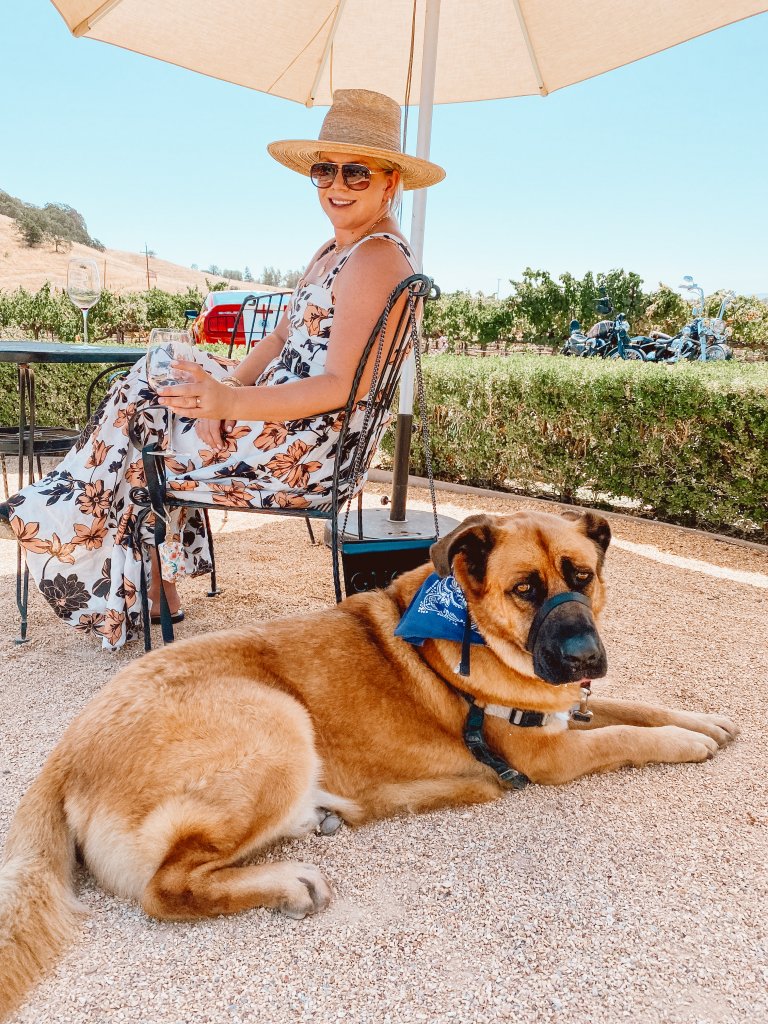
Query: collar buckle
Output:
(582,713)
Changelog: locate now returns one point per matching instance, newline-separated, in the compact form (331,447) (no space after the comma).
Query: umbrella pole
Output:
(405,414)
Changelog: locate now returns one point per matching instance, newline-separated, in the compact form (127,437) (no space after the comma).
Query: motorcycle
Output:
(704,338)
(607,338)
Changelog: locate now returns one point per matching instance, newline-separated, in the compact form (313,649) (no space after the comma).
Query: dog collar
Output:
(526,719)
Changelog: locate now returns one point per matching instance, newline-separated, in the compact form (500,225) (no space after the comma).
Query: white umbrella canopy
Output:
(416,51)
(486,49)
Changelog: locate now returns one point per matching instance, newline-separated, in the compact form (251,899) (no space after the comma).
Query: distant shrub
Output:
(686,442)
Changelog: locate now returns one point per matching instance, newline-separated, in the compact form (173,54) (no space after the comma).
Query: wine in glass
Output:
(83,287)
(166,347)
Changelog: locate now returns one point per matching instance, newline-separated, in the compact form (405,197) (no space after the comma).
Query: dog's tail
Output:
(38,908)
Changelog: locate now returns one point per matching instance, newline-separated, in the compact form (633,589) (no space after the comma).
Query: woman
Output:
(261,435)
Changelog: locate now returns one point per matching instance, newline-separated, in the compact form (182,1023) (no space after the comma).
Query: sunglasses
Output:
(355,176)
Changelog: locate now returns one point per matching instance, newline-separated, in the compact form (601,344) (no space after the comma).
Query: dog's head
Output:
(510,567)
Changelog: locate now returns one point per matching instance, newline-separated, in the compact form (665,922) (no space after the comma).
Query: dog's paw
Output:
(719,728)
(327,822)
(678,745)
(305,891)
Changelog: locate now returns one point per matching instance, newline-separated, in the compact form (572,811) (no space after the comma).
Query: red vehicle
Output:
(215,321)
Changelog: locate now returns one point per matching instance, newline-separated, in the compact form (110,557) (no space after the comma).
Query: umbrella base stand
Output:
(387,548)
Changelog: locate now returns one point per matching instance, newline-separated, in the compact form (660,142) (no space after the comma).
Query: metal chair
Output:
(389,349)
(267,308)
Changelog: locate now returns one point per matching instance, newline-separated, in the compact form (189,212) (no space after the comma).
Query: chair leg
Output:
(6,492)
(308,521)
(22,594)
(335,556)
(144,595)
(214,590)
(166,625)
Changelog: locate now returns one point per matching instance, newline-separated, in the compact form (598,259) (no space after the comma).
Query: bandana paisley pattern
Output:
(77,524)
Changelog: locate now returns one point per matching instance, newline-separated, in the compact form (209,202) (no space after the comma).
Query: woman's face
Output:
(350,210)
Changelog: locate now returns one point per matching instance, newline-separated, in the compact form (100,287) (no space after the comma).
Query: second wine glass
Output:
(83,287)
(165,347)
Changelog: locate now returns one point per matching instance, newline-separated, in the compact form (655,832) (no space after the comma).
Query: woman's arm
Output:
(212,431)
(261,354)
(360,292)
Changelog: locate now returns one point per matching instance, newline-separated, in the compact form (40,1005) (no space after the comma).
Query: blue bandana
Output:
(438,611)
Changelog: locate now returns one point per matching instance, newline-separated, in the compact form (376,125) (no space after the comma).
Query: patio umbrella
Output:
(417,51)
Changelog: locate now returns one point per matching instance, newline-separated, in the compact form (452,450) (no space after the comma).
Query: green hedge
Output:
(689,442)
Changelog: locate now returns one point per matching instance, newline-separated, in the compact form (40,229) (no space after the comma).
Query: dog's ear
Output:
(593,525)
(474,538)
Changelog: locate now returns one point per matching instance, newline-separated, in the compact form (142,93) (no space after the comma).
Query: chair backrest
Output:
(390,343)
(257,317)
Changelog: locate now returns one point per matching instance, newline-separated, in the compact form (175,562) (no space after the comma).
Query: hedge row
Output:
(688,443)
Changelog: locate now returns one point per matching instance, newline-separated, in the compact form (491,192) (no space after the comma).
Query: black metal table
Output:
(28,440)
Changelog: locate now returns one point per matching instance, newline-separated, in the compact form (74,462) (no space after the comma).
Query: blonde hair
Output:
(397,198)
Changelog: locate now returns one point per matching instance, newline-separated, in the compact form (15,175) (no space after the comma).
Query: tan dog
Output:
(197,755)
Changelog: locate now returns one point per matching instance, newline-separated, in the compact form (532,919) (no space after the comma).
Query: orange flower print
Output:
(123,527)
(290,468)
(209,457)
(179,467)
(338,423)
(112,627)
(128,591)
(313,318)
(286,500)
(123,417)
(95,501)
(90,623)
(182,485)
(233,494)
(233,436)
(272,436)
(26,535)
(62,552)
(98,454)
(135,474)
(92,537)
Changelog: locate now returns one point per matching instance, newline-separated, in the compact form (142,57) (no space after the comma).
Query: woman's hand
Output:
(199,397)
(212,433)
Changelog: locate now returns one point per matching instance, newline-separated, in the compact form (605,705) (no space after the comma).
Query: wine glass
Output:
(83,287)
(165,347)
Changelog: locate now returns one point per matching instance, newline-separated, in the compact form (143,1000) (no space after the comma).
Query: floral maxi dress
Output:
(77,525)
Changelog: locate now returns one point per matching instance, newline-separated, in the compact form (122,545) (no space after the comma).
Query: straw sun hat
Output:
(361,123)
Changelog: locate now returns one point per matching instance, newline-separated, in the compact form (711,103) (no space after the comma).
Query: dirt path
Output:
(636,896)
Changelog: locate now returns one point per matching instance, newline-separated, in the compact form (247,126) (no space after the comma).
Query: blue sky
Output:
(658,167)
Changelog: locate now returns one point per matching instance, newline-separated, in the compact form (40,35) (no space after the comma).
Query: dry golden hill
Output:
(120,271)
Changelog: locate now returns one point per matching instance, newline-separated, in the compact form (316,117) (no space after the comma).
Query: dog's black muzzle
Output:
(564,641)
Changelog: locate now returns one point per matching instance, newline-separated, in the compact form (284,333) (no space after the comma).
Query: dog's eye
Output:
(583,576)
(522,589)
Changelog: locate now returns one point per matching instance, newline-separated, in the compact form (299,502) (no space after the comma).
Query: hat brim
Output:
(300,154)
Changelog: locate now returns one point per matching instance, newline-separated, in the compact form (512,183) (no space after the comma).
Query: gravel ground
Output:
(638,896)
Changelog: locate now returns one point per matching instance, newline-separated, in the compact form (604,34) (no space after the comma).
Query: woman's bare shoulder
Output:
(378,256)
